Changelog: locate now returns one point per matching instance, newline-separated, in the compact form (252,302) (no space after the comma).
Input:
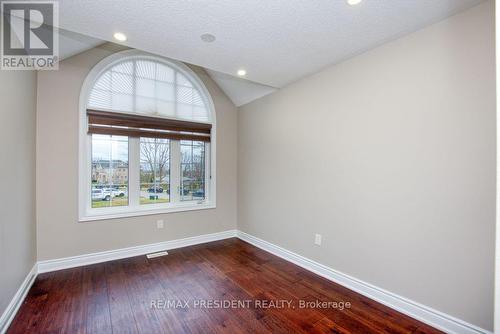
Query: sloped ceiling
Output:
(276,41)
(71,43)
(240,91)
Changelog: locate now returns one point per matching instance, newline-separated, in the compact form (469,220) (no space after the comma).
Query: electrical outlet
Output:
(159,223)
(317,239)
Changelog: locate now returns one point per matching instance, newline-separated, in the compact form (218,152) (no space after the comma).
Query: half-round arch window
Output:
(151,87)
(147,135)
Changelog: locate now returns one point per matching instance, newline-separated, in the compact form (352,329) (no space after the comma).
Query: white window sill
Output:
(127,212)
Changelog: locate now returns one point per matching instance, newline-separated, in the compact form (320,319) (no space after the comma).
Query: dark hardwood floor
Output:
(140,295)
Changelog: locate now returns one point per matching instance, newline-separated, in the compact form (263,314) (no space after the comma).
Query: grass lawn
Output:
(145,200)
(117,201)
(123,201)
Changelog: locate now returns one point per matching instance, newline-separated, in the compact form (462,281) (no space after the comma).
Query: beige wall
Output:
(391,157)
(497,266)
(58,231)
(17,190)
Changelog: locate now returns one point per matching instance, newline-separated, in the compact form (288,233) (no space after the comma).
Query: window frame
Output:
(86,212)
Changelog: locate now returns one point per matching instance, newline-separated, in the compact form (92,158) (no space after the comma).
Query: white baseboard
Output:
(86,259)
(413,309)
(11,310)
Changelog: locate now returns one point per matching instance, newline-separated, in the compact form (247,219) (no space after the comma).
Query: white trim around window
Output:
(86,212)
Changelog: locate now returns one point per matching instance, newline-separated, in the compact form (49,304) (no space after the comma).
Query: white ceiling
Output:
(71,43)
(276,41)
(240,91)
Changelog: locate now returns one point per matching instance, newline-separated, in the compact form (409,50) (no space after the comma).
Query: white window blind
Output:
(148,87)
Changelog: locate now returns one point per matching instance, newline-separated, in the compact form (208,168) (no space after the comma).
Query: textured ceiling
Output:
(239,91)
(277,41)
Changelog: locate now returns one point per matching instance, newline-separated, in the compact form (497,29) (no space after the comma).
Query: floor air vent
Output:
(153,255)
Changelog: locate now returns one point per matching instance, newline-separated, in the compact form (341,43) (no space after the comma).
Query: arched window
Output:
(147,86)
(147,133)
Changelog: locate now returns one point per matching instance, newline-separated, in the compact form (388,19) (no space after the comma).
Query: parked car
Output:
(101,195)
(105,194)
(155,189)
(115,192)
(199,194)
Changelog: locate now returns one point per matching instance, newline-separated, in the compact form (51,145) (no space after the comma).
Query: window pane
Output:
(126,67)
(184,111)
(121,83)
(164,73)
(121,101)
(104,82)
(192,170)
(165,91)
(185,95)
(197,100)
(109,171)
(155,171)
(165,108)
(145,105)
(145,87)
(145,69)
(200,114)
(101,98)
(183,81)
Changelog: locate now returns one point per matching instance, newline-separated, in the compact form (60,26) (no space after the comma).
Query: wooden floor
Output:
(132,296)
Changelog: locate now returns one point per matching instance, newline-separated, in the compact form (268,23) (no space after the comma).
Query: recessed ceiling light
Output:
(120,37)
(354,2)
(242,73)
(208,38)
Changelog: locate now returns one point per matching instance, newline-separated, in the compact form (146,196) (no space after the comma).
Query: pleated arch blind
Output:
(148,87)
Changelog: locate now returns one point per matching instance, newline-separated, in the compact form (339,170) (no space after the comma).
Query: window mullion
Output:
(176,114)
(208,173)
(175,171)
(134,85)
(134,166)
